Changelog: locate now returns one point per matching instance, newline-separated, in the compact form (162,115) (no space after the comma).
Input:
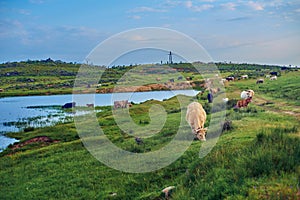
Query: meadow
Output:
(256,157)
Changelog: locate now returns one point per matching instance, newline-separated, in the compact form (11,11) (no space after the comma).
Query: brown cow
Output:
(90,105)
(196,117)
(243,103)
(121,104)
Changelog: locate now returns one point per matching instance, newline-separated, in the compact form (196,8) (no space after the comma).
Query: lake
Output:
(40,111)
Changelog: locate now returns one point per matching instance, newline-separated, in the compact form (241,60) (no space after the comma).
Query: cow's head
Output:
(200,133)
(250,93)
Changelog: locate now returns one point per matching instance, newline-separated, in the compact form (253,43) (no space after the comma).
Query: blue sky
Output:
(263,31)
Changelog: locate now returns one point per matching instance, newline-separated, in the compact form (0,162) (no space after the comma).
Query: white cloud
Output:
(137,38)
(137,17)
(197,8)
(24,12)
(13,29)
(166,25)
(189,4)
(203,7)
(36,1)
(209,1)
(274,3)
(147,9)
(256,5)
(229,6)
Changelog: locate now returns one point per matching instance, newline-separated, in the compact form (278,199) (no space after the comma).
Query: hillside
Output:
(256,157)
(46,77)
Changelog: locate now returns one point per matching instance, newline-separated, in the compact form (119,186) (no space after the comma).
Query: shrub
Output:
(231,103)
(28,129)
(275,152)
(227,125)
(207,107)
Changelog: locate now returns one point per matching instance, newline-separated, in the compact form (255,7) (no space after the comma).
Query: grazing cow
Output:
(210,97)
(274,73)
(243,103)
(215,90)
(251,92)
(209,83)
(225,100)
(167,191)
(121,104)
(158,79)
(69,105)
(260,81)
(171,80)
(138,140)
(230,78)
(244,77)
(90,105)
(196,117)
(1,90)
(179,78)
(223,80)
(247,94)
(273,78)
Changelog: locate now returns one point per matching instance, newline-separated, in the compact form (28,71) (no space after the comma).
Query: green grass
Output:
(257,157)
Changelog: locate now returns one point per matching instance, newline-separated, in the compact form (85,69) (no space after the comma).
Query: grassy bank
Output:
(49,77)
(256,157)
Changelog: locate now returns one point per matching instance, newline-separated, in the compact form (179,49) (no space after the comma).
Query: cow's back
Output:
(195,115)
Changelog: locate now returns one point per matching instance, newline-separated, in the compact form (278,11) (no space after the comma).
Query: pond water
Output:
(18,113)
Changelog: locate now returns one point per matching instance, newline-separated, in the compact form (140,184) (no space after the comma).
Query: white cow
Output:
(244,77)
(225,100)
(247,94)
(196,117)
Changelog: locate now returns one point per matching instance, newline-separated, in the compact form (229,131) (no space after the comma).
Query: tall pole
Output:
(170,58)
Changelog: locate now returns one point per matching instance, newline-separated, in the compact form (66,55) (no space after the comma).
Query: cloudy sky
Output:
(262,31)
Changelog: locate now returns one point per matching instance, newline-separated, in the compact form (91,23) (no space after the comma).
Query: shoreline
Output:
(147,88)
(8,135)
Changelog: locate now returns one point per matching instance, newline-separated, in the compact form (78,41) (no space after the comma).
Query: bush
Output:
(231,103)
(207,107)
(225,172)
(227,125)
(28,129)
(275,152)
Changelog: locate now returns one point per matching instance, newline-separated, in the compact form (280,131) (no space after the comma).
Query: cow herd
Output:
(196,115)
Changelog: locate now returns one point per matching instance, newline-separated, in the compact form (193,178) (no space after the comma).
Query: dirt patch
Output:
(45,140)
(152,87)
(277,107)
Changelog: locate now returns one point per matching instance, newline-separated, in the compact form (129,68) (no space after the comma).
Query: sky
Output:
(262,31)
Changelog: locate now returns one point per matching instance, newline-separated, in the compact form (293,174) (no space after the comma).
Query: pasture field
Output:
(49,77)
(256,157)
